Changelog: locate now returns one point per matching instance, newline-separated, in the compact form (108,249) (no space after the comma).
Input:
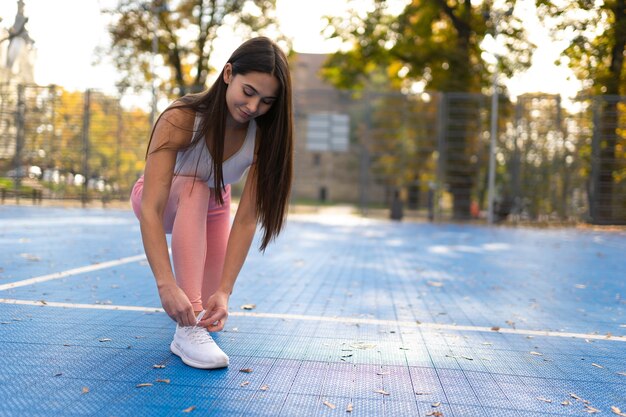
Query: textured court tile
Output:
(406,274)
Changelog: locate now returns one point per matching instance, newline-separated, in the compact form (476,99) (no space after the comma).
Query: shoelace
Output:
(199,335)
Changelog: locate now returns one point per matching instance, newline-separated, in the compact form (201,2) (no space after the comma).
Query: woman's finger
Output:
(215,317)
(217,326)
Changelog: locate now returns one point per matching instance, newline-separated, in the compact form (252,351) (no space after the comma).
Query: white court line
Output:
(348,320)
(70,272)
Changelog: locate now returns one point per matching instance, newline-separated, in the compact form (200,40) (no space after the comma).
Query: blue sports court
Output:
(343,316)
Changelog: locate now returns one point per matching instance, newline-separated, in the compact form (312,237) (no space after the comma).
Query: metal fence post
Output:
(442,131)
(85,151)
(364,160)
(19,140)
(594,178)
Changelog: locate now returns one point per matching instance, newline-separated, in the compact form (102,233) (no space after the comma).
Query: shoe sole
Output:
(178,352)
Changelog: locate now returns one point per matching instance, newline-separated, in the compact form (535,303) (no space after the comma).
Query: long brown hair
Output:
(274,159)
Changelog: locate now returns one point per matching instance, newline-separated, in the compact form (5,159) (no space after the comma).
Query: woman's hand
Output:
(216,312)
(177,305)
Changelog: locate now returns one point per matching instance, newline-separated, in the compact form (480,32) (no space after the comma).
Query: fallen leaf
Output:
(487,343)
(580,286)
(597,366)
(85,390)
(435,283)
(349,408)
(30,257)
(264,387)
(145,384)
(545,400)
(617,411)
(190,409)
(621,373)
(165,381)
(58,374)
(248,306)
(246,370)
(380,391)
(574,396)
(423,393)
(536,353)
(158,366)
(347,355)
(435,405)
(404,348)
(244,383)
(495,328)
(467,357)
(104,340)
(510,323)
(383,373)
(566,402)
(43,302)
(589,409)
(362,345)
(435,413)
(329,405)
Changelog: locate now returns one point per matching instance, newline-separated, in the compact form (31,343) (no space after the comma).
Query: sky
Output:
(66,33)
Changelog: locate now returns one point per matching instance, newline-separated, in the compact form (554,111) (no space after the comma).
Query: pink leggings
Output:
(199,228)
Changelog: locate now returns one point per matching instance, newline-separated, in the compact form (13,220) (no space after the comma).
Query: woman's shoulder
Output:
(175,127)
(177,115)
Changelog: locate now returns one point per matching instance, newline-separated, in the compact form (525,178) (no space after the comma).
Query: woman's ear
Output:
(228,73)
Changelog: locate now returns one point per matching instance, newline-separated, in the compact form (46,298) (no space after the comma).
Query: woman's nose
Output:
(253,105)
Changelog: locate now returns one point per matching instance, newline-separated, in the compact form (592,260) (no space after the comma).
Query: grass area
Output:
(8,184)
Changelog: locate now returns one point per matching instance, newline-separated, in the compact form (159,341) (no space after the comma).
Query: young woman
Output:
(199,146)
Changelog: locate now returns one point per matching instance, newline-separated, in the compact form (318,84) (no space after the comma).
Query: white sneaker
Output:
(196,348)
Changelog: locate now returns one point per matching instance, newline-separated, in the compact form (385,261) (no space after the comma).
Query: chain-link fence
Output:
(424,155)
(428,155)
(58,145)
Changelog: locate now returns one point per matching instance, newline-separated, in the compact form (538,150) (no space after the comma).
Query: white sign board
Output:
(328,132)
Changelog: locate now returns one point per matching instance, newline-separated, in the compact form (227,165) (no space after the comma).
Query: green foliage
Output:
(595,32)
(434,42)
(186,31)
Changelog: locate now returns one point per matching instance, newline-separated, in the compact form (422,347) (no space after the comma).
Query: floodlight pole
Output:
(494,130)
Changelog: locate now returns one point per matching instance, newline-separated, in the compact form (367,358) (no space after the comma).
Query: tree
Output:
(436,43)
(186,31)
(596,35)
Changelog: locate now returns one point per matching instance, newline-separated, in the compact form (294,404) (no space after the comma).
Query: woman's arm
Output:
(239,242)
(159,171)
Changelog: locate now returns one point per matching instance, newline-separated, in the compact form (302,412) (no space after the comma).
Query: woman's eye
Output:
(248,92)
(268,102)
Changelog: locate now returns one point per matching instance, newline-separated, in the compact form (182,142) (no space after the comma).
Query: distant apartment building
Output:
(329,161)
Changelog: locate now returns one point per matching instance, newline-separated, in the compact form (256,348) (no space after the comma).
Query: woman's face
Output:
(251,95)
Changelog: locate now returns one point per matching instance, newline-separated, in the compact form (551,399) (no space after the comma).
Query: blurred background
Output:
(440,110)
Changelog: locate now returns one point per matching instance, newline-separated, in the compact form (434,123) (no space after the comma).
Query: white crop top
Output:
(196,161)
